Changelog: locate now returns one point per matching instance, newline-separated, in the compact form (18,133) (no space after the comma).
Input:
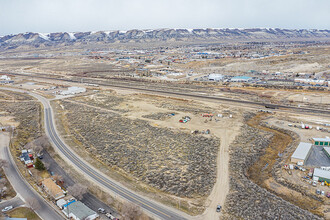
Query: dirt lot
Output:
(159,151)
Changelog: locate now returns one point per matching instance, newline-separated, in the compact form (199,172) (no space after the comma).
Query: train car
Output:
(271,106)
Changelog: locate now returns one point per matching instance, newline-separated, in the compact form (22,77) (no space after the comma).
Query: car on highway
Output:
(101,210)
(7,208)
(110,216)
(218,208)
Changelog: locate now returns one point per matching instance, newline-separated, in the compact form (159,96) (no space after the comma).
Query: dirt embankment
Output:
(261,172)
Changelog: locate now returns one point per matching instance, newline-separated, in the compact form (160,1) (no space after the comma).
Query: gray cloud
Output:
(84,15)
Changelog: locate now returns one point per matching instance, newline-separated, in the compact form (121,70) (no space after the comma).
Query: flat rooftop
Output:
(322,139)
(321,173)
(302,151)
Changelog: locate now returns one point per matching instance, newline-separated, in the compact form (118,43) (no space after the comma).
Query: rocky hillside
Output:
(64,38)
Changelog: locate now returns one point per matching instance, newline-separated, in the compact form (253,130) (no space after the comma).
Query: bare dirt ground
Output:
(221,188)
(141,106)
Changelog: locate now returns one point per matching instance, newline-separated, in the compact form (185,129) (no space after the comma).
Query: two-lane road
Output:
(45,211)
(155,208)
(87,169)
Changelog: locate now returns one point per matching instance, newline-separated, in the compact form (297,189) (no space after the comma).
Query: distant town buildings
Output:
(241,79)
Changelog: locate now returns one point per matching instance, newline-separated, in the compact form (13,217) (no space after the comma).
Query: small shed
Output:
(302,152)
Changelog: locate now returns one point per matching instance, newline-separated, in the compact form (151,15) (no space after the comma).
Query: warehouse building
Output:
(321,175)
(241,79)
(301,154)
(73,90)
(215,77)
(321,141)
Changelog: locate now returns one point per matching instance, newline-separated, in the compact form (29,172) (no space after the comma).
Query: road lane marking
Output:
(59,142)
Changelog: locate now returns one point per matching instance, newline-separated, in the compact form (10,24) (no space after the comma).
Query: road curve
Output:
(45,211)
(154,208)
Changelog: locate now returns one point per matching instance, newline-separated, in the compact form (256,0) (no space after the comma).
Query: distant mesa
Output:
(209,34)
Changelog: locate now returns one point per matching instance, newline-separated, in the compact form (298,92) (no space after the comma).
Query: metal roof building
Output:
(321,141)
(302,152)
(241,79)
(79,211)
(321,175)
(73,90)
(215,77)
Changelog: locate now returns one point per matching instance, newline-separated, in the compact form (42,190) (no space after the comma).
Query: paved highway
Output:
(15,202)
(157,210)
(21,187)
(154,208)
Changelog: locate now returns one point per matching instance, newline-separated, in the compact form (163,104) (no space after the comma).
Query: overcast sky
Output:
(17,16)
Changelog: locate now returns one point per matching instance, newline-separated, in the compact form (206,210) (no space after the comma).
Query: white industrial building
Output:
(321,175)
(215,77)
(73,90)
(241,79)
(301,154)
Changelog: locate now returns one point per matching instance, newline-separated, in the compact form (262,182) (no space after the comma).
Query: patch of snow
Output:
(122,32)
(44,36)
(72,37)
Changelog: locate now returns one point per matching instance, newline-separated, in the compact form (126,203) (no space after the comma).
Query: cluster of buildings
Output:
(303,151)
(270,79)
(70,207)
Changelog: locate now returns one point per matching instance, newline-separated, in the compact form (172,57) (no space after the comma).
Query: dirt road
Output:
(221,188)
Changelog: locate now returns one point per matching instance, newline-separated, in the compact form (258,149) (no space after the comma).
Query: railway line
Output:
(176,91)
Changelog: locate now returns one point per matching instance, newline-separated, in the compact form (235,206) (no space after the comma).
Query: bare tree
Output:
(37,149)
(110,200)
(29,145)
(43,142)
(3,182)
(33,203)
(3,163)
(77,190)
(131,211)
(47,165)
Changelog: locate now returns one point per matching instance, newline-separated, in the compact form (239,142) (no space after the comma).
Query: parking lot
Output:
(318,158)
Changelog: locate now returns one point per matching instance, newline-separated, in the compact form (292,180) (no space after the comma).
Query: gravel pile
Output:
(158,116)
(175,162)
(183,108)
(247,200)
